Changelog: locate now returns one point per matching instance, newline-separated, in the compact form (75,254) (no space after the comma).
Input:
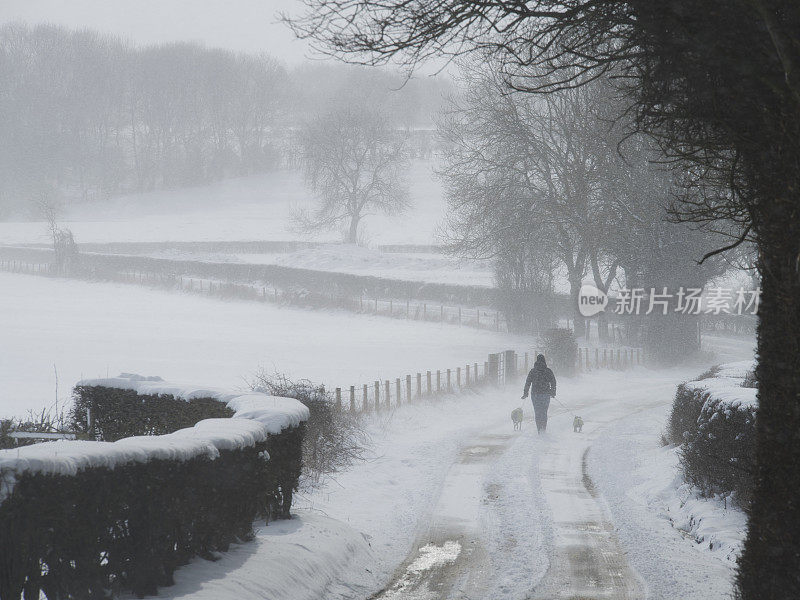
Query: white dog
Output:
(516,418)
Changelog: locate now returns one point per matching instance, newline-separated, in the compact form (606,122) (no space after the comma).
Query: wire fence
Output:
(418,310)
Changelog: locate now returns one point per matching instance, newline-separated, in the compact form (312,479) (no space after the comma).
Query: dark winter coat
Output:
(540,380)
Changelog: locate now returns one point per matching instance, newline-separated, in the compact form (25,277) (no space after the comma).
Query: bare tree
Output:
(64,248)
(540,163)
(353,159)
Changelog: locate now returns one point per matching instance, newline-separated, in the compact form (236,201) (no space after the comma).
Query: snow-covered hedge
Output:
(713,420)
(112,413)
(85,519)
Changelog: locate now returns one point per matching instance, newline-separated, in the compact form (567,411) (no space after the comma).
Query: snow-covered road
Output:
(581,556)
(455,504)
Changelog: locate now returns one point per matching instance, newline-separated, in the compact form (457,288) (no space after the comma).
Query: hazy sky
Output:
(246,25)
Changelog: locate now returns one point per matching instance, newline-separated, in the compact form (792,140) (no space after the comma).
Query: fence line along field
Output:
(99,329)
(497,369)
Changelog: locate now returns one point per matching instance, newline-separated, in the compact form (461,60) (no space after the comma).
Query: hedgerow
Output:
(713,423)
(86,520)
(120,413)
(104,531)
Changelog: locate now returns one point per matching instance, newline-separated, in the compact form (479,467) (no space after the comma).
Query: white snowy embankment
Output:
(642,482)
(256,417)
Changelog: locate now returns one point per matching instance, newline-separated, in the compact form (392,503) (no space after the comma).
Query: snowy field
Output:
(98,329)
(507,508)
(248,208)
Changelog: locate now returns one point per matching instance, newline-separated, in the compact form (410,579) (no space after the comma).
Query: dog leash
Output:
(564,406)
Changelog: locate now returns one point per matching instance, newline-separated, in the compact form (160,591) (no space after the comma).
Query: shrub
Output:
(333,438)
(560,349)
(119,413)
(686,407)
(49,420)
(750,380)
(713,422)
(719,455)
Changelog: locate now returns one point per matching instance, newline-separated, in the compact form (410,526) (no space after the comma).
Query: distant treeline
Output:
(86,116)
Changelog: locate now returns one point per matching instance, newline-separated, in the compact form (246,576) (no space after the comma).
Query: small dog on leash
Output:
(577,424)
(516,418)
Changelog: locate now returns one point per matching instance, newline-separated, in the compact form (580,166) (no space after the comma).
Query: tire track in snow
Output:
(587,561)
(450,559)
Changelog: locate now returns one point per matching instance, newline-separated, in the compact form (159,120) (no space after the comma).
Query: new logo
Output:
(591,300)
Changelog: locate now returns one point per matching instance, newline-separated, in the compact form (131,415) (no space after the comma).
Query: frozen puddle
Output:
(451,561)
(414,584)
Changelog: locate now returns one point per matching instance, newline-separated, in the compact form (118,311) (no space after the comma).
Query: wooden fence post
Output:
(458,377)
(377,395)
(459,316)
(419,385)
(428,375)
(338,398)
(449,386)
(494,369)
(399,390)
(438,381)
(365,400)
(408,388)
(388,394)
(352,398)
(467,375)
(475,374)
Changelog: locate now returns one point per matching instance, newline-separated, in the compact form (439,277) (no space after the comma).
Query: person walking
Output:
(542,385)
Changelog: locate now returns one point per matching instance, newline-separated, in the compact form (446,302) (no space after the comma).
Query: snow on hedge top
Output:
(725,387)
(256,417)
(274,412)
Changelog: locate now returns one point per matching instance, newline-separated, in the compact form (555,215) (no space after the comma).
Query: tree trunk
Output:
(602,327)
(579,326)
(352,234)
(769,567)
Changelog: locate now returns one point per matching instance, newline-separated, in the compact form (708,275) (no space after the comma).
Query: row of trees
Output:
(86,116)
(551,185)
(91,116)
